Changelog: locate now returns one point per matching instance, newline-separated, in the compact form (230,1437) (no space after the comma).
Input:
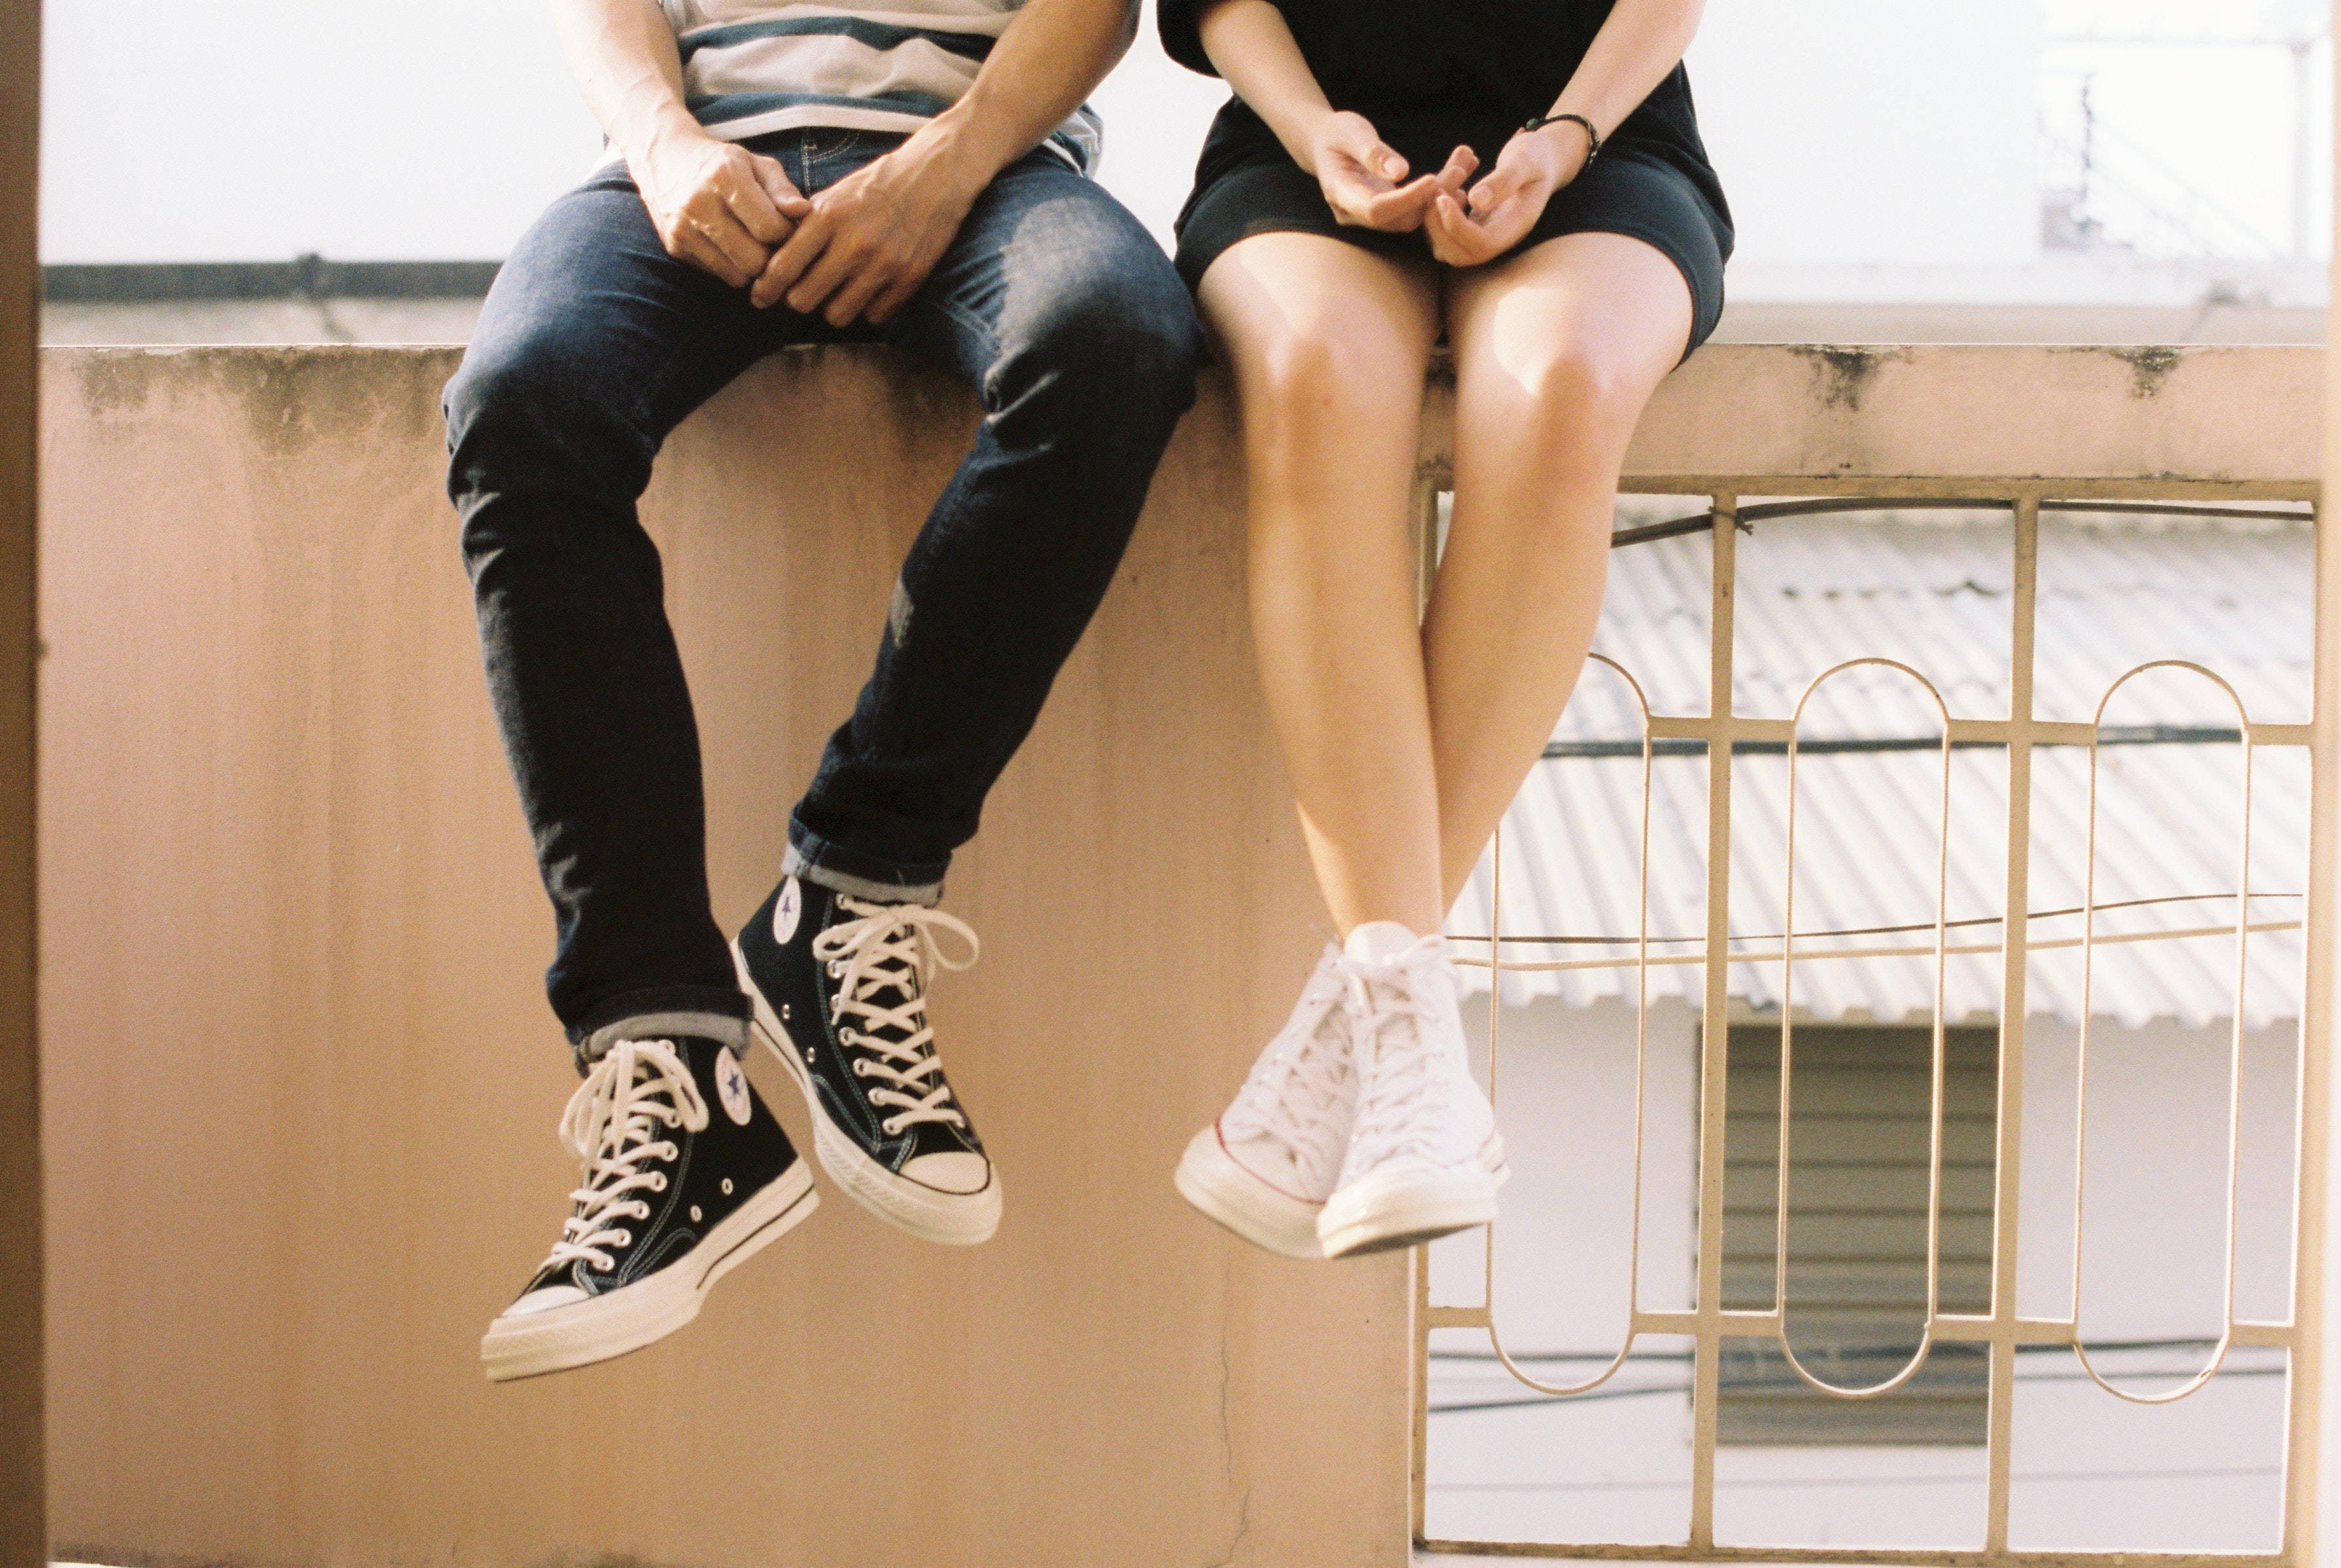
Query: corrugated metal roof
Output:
(1934,592)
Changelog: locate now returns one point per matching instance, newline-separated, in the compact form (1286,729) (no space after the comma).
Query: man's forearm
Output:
(623,55)
(1046,64)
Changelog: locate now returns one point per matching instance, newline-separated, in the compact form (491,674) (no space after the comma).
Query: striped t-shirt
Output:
(887,66)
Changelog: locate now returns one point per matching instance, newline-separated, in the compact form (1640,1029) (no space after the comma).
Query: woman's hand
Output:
(1360,174)
(1506,204)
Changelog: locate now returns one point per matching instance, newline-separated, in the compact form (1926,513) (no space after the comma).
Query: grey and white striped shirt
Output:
(751,67)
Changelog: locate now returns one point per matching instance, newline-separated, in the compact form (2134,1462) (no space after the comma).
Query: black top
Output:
(1432,74)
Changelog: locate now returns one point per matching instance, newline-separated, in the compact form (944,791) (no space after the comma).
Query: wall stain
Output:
(291,397)
(2150,365)
(1846,369)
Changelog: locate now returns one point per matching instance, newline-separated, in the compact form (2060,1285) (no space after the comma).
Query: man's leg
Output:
(1068,320)
(593,344)
(1064,315)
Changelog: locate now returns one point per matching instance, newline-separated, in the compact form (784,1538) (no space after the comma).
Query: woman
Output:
(1525,177)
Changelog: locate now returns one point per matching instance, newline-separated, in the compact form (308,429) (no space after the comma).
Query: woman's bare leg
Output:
(1556,353)
(1329,343)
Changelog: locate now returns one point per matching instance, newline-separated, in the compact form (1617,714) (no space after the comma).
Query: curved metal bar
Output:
(1681,960)
(1935,1098)
(1872,930)
(1641,1041)
(2243,897)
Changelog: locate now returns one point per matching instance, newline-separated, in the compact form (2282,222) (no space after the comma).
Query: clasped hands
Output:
(858,249)
(1365,183)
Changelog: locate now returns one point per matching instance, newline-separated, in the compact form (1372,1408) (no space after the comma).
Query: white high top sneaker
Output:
(1265,1168)
(1424,1156)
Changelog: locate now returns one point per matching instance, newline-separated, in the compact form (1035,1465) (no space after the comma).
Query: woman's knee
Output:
(1582,390)
(1308,382)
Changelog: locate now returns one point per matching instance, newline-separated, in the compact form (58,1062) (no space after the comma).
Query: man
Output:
(909,172)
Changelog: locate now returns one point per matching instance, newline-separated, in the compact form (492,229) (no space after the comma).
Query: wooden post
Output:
(2316,1491)
(24,1534)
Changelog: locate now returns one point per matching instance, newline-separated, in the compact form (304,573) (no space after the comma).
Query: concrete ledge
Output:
(1834,412)
(301,1087)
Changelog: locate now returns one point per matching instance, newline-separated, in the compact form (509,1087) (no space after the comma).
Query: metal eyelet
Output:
(623,1238)
(727,1186)
(658,1181)
(890,1127)
(694,1213)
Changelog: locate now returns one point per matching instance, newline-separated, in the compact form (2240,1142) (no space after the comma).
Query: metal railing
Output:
(2002,1331)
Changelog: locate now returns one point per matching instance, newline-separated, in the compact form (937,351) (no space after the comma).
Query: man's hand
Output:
(869,240)
(1360,174)
(717,205)
(1506,204)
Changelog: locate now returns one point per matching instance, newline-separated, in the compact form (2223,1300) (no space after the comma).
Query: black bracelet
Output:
(1592,136)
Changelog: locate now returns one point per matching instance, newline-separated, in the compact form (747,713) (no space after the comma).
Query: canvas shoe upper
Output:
(1266,1166)
(1424,1157)
(839,986)
(683,1175)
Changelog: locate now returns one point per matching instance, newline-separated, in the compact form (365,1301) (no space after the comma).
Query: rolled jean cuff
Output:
(704,1011)
(843,870)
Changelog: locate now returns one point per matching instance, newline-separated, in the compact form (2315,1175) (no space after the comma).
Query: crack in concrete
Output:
(1234,1547)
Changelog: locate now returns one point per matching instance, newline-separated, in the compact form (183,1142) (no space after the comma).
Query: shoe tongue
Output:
(1378,941)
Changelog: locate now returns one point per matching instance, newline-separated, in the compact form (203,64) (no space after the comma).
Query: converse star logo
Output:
(787,911)
(731,1087)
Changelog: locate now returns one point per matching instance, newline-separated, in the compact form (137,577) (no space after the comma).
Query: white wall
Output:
(1851,132)
(251,129)
(242,130)
(2092,1472)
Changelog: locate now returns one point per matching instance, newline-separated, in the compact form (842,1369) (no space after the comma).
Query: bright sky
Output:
(187,130)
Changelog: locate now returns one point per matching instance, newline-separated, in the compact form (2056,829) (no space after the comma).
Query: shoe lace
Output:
(892,947)
(1403,1078)
(639,1092)
(1296,1087)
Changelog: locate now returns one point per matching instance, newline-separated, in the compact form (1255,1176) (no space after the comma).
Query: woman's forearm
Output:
(1640,42)
(623,55)
(1250,46)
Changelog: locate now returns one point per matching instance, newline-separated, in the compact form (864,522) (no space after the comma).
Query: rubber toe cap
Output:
(544,1300)
(957,1173)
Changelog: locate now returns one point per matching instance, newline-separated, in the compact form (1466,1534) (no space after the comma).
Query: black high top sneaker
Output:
(686,1177)
(839,984)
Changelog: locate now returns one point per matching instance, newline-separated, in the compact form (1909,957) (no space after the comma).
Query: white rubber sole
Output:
(1234,1199)
(635,1315)
(1389,1209)
(954,1219)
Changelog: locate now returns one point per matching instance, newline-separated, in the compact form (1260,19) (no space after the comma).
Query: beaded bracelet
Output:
(1592,136)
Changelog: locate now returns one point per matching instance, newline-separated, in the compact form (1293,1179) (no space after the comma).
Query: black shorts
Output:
(1624,190)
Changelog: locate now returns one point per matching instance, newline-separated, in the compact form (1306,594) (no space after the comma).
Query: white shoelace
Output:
(1403,1073)
(893,945)
(1295,1089)
(637,1093)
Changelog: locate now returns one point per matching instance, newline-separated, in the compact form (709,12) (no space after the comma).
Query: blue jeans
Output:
(1052,302)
